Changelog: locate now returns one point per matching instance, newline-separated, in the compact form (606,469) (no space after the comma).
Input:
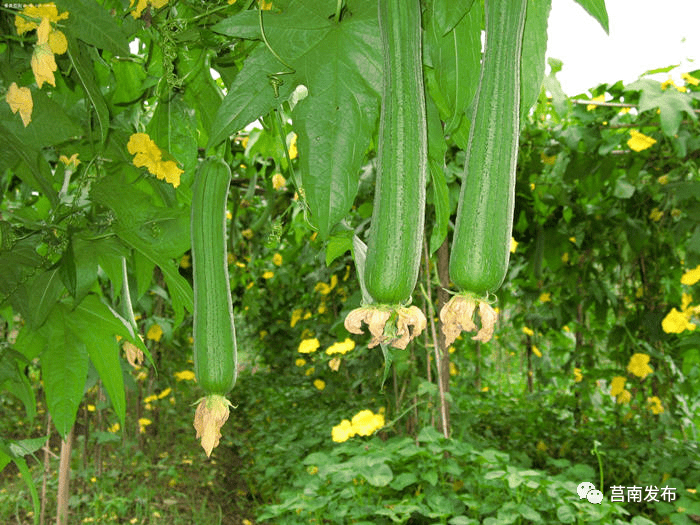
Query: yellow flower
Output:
(148,155)
(334,364)
(247,233)
(114,428)
(624,111)
(47,10)
(624,397)
(322,288)
(341,348)
(676,322)
(662,180)
(278,181)
(655,405)
(536,351)
(527,331)
(320,384)
(20,99)
(545,297)
(155,332)
(690,79)
(639,365)
(667,83)
(310,371)
(58,42)
(513,245)
(185,261)
(43,61)
(143,423)
(599,98)
(150,399)
(691,276)
(565,257)
(577,375)
(268,275)
(185,375)
(296,317)
(300,361)
(617,385)
(292,145)
(277,259)
(656,214)
(453,369)
(72,161)
(541,446)
(639,141)
(308,346)
(165,393)
(143,4)
(572,239)
(365,423)
(342,432)
(168,171)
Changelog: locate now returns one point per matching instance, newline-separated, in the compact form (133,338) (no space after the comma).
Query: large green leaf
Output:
(50,123)
(43,294)
(96,326)
(93,24)
(17,267)
(64,367)
(340,64)
(82,65)
(596,8)
(453,61)
(436,163)
(448,13)
(35,171)
(670,102)
(250,96)
(533,54)
(180,290)
(14,381)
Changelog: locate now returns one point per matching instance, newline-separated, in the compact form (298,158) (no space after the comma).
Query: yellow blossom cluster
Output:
(655,405)
(155,397)
(148,155)
(639,141)
(50,41)
(678,321)
(308,346)
(618,391)
(639,365)
(341,347)
(599,98)
(143,4)
(364,423)
(278,181)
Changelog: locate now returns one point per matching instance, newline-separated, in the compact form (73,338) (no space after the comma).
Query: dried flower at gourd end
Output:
(212,412)
(408,317)
(457,316)
(373,317)
(410,322)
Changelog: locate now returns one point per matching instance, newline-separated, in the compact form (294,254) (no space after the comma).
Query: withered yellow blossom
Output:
(20,99)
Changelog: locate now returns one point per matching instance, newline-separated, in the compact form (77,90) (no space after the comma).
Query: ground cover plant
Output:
(157,247)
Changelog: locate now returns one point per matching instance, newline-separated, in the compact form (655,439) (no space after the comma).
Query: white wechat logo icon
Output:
(587,490)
